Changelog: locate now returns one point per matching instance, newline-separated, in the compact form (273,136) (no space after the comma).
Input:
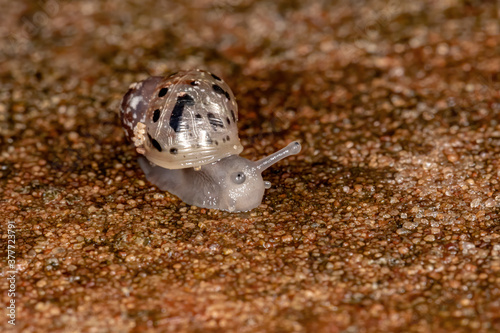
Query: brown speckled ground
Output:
(388,221)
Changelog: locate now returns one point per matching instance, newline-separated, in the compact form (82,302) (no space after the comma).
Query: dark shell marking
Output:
(176,117)
(163,92)
(154,143)
(216,77)
(221,91)
(214,121)
(156,115)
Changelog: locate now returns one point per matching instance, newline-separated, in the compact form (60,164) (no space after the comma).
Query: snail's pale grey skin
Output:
(233,183)
(185,126)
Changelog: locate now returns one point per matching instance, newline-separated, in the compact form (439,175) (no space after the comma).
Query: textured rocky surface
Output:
(387,221)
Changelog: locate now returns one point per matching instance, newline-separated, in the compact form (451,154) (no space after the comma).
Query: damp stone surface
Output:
(387,221)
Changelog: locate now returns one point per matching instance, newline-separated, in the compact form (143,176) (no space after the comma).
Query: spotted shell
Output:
(187,119)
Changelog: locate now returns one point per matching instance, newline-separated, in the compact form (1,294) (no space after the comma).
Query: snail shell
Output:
(188,119)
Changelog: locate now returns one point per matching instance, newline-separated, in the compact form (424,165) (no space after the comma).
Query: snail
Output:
(185,128)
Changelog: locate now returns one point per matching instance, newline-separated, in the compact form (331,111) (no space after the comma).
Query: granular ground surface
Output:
(387,221)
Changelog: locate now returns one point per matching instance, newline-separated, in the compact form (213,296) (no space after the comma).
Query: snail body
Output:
(185,126)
